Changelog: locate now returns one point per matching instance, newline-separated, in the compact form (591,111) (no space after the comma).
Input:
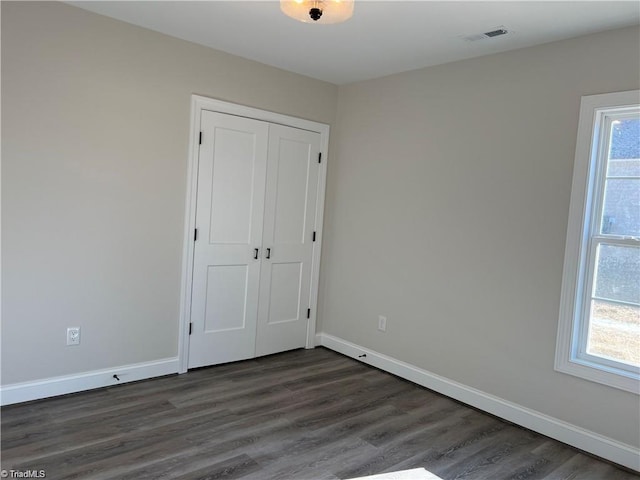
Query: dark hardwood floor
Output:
(305,414)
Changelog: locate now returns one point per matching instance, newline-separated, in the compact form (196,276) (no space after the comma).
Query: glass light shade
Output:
(333,11)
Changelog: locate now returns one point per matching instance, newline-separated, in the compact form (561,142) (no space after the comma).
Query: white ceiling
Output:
(382,38)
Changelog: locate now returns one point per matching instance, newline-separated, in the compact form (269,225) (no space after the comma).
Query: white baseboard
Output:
(51,387)
(573,435)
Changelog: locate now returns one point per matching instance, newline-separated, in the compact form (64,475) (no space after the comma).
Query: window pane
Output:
(617,275)
(625,139)
(621,214)
(614,332)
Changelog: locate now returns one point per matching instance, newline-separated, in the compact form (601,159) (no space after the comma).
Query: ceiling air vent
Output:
(482,36)
(496,33)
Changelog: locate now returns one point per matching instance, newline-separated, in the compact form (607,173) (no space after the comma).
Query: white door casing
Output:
(223,255)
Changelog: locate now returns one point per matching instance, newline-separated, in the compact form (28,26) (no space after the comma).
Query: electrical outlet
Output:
(73,336)
(382,323)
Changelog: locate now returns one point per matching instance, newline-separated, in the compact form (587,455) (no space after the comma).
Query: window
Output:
(599,328)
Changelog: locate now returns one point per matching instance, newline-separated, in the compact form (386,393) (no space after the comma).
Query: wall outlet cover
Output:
(73,336)
(382,323)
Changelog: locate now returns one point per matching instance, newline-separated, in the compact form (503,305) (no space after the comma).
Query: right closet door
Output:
(287,240)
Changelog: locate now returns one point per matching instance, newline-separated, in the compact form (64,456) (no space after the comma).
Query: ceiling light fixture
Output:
(318,11)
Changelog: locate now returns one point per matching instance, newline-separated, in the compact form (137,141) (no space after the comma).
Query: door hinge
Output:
(190,328)
(308,313)
(319,157)
(200,139)
(314,237)
(195,234)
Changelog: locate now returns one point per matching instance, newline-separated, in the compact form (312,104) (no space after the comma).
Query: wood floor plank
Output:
(415,442)
(304,414)
(385,432)
(71,462)
(198,451)
(113,421)
(486,458)
(232,468)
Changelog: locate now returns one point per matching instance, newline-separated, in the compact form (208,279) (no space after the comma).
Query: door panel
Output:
(289,217)
(225,307)
(229,215)
(292,188)
(232,186)
(284,298)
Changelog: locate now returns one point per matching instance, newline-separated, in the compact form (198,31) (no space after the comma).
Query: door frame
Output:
(198,104)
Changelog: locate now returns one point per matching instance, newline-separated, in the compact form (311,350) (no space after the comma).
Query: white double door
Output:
(255,219)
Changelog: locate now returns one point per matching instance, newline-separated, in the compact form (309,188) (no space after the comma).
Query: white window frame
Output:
(581,244)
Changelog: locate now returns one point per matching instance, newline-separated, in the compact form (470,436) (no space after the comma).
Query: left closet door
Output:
(229,219)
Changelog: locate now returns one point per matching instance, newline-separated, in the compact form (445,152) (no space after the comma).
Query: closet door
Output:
(289,219)
(229,221)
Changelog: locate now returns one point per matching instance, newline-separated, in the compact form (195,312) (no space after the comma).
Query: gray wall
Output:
(447,212)
(95,118)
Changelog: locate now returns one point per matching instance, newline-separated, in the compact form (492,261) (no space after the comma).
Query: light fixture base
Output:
(318,11)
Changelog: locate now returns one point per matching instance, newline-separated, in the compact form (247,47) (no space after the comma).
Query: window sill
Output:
(595,372)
